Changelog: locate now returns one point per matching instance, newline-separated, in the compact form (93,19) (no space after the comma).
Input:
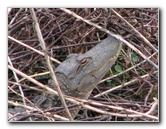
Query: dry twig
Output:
(55,82)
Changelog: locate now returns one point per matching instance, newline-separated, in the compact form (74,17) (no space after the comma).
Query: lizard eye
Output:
(84,61)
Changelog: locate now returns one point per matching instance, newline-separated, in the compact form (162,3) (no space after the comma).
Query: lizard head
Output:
(80,73)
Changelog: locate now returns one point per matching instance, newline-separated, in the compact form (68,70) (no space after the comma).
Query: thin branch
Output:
(20,88)
(117,87)
(35,109)
(21,105)
(34,75)
(75,45)
(33,80)
(14,18)
(42,43)
(122,85)
(20,95)
(136,31)
(138,114)
(17,80)
(33,49)
(112,34)
(153,107)
(23,85)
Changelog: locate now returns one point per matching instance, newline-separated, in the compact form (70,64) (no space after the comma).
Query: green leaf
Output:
(111,83)
(134,58)
(118,68)
(126,75)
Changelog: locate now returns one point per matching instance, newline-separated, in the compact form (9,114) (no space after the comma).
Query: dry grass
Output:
(130,94)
